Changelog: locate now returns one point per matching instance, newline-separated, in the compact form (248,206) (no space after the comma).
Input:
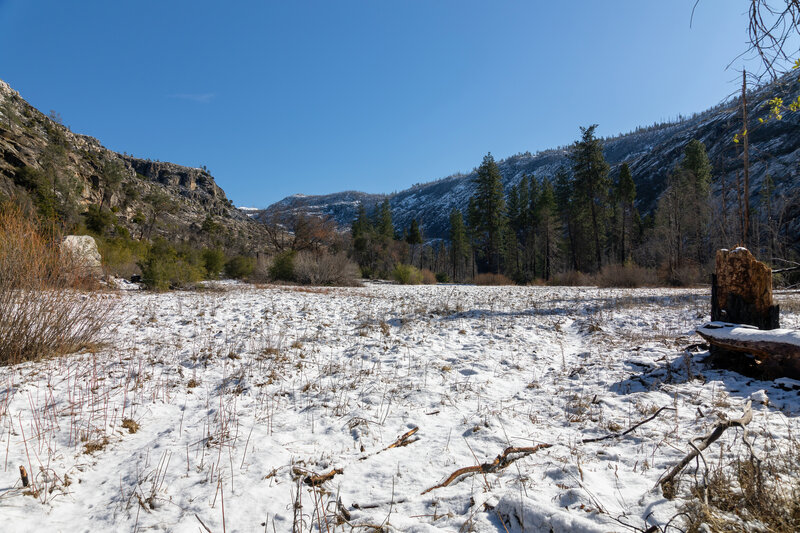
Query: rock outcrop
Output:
(82,255)
(34,148)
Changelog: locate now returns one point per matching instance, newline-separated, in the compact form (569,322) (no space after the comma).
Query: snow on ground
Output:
(232,396)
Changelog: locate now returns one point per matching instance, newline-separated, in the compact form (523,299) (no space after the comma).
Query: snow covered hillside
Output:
(652,153)
(243,408)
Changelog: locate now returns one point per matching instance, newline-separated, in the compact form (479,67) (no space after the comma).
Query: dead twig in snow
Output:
(668,481)
(402,440)
(499,463)
(643,422)
(318,479)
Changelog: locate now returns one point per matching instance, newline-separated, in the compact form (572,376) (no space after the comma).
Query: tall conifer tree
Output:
(490,204)
(592,184)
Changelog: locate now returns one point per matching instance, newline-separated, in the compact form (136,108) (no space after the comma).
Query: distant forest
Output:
(584,222)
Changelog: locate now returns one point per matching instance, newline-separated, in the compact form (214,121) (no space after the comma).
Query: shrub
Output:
(428,277)
(686,276)
(240,267)
(572,278)
(121,255)
(406,275)
(98,220)
(325,269)
(213,261)
(491,279)
(442,277)
(164,268)
(261,270)
(43,309)
(628,276)
(282,267)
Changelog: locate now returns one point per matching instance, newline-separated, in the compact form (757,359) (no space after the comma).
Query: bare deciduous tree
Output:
(773,28)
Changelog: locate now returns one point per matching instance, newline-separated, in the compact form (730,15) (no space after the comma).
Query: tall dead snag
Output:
(668,481)
(741,290)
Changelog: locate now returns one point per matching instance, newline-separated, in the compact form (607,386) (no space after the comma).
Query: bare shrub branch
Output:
(45,307)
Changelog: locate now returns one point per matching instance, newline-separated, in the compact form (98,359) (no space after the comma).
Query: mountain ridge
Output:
(651,152)
(34,148)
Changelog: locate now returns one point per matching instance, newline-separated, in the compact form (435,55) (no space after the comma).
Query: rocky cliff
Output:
(43,163)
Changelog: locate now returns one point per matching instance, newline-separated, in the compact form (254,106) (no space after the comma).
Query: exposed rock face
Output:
(742,290)
(652,153)
(82,254)
(28,139)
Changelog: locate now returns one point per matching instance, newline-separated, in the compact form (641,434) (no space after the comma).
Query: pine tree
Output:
(548,222)
(696,170)
(364,245)
(533,230)
(473,231)
(384,224)
(459,246)
(592,184)
(565,200)
(625,192)
(413,238)
(490,204)
(517,217)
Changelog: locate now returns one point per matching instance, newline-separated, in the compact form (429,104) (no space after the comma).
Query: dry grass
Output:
(492,279)
(572,278)
(326,269)
(627,276)
(45,308)
(748,494)
(428,277)
(131,425)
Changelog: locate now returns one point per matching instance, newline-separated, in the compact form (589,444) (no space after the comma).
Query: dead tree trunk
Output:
(741,290)
(776,352)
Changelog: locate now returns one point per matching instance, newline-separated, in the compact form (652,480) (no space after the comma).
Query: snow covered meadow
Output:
(244,408)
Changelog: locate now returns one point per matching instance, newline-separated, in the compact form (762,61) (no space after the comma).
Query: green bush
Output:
(407,275)
(165,268)
(442,277)
(282,267)
(240,267)
(121,255)
(41,191)
(213,261)
(98,220)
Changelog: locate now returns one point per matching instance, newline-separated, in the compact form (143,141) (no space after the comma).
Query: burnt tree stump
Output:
(741,304)
(741,290)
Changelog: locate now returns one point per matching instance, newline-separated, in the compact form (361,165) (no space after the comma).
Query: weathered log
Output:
(777,349)
(741,290)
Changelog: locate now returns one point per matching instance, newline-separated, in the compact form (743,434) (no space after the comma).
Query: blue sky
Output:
(313,97)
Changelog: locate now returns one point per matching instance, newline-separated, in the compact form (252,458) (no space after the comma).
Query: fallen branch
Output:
(643,422)
(668,481)
(499,463)
(201,523)
(318,479)
(403,440)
